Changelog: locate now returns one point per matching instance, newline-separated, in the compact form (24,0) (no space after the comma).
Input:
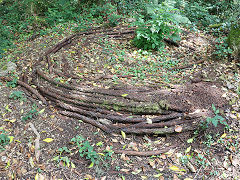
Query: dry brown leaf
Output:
(235,161)
(175,177)
(152,163)
(88,176)
(178,128)
(133,146)
(114,140)
(32,149)
(108,148)
(104,178)
(163,156)
(125,158)
(125,170)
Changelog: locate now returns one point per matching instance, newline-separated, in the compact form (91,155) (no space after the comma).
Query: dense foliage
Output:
(162,18)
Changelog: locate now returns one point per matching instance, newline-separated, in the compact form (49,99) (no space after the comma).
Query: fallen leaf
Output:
(175,177)
(91,165)
(123,135)
(31,162)
(158,175)
(73,165)
(136,171)
(178,128)
(37,177)
(32,148)
(48,140)
(104,178)
(190,140)
(188,149)
(224,135)
(114,140)
(124,95)
(40,112)
(163,156)
(152,163)
(235,161)
(108,148)
(149,121)
(88,176)
(175,168)
(125,170)
(11,139)
(8,120)
(125,158)
(133,146)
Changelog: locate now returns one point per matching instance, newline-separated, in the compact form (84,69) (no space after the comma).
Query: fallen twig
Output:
(37,145)
(144,153)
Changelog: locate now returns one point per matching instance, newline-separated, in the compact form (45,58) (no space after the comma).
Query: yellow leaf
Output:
(101,154)
(8,164)
(40,112)
(36,177)
(91,165)
(124,95)
(224,135)
(73,165)
(123,135)
(175,168)
(8,120)
(48,140)
(8,109)
(11,138)
(188,149)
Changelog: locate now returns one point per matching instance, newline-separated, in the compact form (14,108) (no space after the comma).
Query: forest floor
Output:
(106,61)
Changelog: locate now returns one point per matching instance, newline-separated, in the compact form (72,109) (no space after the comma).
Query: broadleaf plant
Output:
(162,21)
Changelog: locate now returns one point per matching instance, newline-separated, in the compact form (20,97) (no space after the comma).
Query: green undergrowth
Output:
(86,151)
(219,140)
(4,139)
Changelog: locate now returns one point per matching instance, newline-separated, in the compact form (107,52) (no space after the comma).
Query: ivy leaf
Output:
(213,107)
(215,122)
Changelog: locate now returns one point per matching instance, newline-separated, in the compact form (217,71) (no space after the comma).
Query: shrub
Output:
(160,21)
